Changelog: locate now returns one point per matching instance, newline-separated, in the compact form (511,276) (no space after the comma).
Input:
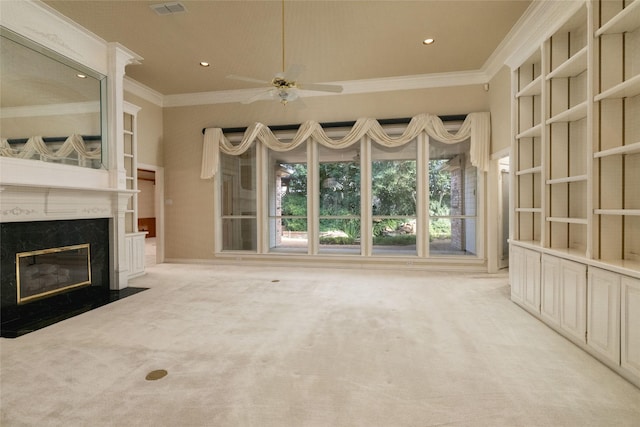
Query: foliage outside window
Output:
(339,200)
(288,226)
(394,199)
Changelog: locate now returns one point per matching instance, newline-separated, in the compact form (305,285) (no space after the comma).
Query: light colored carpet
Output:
(249,346)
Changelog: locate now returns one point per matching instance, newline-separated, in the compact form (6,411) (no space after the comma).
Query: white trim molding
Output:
(46,26)
(145,92)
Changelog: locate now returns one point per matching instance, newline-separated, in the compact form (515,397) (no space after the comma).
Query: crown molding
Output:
(145,92)
(539,22)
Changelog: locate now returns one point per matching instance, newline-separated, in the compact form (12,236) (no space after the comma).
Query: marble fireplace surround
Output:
(19,237)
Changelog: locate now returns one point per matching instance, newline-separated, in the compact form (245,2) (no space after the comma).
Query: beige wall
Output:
(189,222)
(500,107)
(149,131)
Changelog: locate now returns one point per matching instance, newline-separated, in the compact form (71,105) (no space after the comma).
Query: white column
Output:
(366,234)
(422,188)
(313,191)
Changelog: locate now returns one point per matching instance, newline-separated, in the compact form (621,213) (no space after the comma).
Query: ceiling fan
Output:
(284,85)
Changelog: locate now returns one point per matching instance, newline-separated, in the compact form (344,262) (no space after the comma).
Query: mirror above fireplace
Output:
(52,109)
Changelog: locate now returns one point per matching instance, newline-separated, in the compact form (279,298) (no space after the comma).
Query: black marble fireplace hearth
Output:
(16,237)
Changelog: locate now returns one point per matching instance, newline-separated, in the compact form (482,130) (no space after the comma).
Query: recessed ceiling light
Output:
(81,76)
(204,64)
(428,41)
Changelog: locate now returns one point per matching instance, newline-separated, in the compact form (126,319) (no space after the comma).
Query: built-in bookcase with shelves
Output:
(576,148)
(617,149)
(528,148)
(134,240)
(131,165)
(567,137)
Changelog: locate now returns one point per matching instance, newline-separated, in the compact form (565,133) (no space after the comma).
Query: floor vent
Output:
(168,8)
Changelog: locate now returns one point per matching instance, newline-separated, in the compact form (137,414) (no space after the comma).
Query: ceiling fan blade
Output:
(247,79)
(266,94)
(320,87)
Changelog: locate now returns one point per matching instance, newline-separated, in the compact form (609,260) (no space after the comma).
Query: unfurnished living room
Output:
(320,213)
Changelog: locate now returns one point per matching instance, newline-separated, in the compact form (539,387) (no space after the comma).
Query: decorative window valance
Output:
(36,145)
(476,126)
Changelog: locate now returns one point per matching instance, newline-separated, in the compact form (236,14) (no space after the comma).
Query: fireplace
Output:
(47,272)
(53,270)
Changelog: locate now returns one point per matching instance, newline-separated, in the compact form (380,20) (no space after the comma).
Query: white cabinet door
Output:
(128,250)
(603,315)
(630,357)
(138,254)
(550,290)
(573,299)
(531,292)
(134,250)
(516,273)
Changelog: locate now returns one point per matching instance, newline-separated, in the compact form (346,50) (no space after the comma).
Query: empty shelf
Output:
(532,132)
(623,149)
(573,114)
(533,88)
(572,66)
(628,19)
(627,89)
(576,178)
(567,220)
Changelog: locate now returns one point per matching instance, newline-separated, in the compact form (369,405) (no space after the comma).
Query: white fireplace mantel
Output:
(24,202)
(32,190)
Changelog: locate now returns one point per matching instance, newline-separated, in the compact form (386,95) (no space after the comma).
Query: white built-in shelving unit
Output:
(575,236)
(134,240)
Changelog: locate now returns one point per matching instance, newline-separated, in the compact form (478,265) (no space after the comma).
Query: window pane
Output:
(239,201)
(292,236)
(452,236)
(394,199)
(394,236)
(339,199)
(288,200)
(452,180)
(393,180)
(239,184)
(340,235)
(239,234)
(340,181)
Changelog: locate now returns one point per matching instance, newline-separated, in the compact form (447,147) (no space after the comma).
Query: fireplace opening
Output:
(47,272)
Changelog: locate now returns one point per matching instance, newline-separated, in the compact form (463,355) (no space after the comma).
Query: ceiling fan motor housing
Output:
(282,83)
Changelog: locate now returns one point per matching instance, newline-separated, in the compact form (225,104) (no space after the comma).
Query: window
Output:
(416,200)
(394,199)
(288,231)
(239,213)
(452,200)
(339,200)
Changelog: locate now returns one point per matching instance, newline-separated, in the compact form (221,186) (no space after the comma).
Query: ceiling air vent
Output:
(168,8)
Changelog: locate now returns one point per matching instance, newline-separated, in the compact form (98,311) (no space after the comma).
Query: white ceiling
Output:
(335,41)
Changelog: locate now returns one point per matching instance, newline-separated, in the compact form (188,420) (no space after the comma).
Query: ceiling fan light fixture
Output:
(284,85)
(286,96)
